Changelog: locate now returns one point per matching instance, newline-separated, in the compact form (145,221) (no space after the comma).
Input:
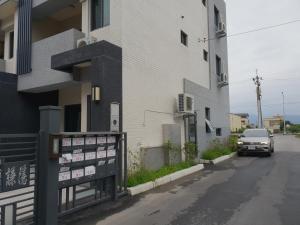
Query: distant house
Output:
(273,123)
(239,121)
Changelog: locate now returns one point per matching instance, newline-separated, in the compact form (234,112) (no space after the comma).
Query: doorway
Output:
(73,118)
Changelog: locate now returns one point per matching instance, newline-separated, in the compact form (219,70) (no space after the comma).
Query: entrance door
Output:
(73,118)
(191,128)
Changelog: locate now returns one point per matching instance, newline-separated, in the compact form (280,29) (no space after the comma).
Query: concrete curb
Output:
(164,180)
(220,159)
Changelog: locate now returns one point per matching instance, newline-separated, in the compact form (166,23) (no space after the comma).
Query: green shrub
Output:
(294,128)
(216,150)
(190,150)
(143,176)
(232,142)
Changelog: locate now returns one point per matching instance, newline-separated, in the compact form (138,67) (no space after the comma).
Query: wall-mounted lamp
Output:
(96,94)
(54,142)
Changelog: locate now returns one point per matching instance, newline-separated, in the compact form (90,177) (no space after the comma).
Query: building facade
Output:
(274,123)
(121,65)
(239,121)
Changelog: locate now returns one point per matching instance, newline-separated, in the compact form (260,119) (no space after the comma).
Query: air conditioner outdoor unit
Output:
(86,41)
(223,80)
(186,103)
(221,29)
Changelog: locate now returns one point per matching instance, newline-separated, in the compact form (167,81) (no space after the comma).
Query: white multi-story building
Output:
(106,61)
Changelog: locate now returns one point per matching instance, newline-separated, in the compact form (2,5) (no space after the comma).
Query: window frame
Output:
(205,55)
(216,17)
(219,132)
(11,45)
(99,20)
(184,38)
(218,65)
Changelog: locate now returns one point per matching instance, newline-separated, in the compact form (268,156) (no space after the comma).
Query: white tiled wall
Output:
(155,63)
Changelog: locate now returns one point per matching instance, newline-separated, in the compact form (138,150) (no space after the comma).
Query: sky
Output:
(275,53)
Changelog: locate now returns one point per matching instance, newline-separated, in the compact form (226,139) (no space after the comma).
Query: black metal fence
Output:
(18,157)
(92,169)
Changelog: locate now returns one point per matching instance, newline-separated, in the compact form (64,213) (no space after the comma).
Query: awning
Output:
(210,126)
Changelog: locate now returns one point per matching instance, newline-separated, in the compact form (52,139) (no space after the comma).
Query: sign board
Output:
(15,175)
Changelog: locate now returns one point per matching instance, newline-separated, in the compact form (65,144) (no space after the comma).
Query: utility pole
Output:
(257,81)
(283,108)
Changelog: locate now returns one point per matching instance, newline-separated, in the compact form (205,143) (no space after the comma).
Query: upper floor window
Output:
(219,132)
(217,17)
(11,44)
(205,55)
(100,13)
(218,65)
(184,38)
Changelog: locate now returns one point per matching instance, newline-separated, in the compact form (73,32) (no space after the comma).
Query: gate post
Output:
(47,200)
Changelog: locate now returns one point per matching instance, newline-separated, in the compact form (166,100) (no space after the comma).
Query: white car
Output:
(258,141)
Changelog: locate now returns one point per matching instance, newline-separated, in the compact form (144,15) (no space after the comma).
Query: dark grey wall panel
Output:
(105,71)
(19,111)
(24,37)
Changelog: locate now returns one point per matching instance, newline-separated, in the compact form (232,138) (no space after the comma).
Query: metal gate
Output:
(92,169)
(18,179)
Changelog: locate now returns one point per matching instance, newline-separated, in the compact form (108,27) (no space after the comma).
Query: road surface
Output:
(240,191)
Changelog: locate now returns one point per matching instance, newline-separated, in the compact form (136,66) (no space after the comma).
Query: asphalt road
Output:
(240,191)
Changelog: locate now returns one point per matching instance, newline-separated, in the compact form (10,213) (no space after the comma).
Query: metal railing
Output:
(18,155)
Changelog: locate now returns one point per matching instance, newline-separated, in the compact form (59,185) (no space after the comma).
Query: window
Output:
(204,2)
(100,13)
(217,17)
(184,38)
(218,66)
(11,44)
(205,55)
(207,113)
(219,132)
(208,125)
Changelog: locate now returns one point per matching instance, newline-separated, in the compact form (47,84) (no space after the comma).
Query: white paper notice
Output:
(90,140)
(66,142)
(90,170)
(66,158)
(77,173)
(101,163)
(64,176)
(101,148)
(101,154)
(111,153)
(90,155)
(101,140)
(111,147)
(78,141)
(111,139)
(78,157)
(111,161)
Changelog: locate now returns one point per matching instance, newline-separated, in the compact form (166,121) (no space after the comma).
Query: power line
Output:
(268,79)
(254,30)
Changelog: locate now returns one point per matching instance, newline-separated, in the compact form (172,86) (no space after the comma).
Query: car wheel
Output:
(269,154)
(239,154)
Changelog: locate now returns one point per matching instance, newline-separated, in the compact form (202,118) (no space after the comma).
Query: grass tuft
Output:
(216,152)
(143,176)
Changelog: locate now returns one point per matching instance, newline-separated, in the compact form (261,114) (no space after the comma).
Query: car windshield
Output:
(255,133)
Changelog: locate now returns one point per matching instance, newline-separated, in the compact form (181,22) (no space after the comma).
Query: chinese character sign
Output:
(15,176)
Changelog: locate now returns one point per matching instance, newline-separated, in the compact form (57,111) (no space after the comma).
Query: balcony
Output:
(43,78)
